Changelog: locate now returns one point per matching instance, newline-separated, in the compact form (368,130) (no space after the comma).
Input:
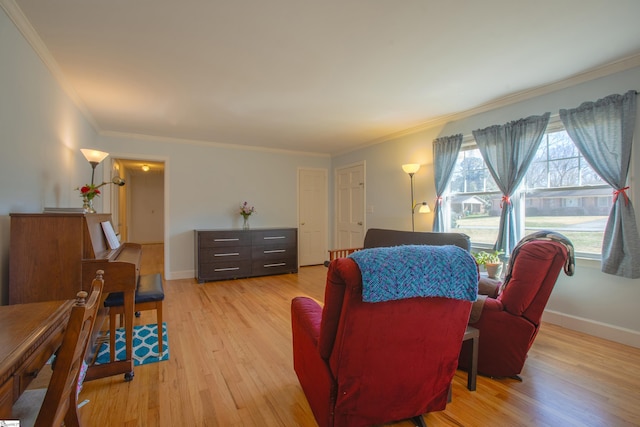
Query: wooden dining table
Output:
(29,334)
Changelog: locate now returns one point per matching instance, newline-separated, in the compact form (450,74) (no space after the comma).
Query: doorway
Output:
(350,202)
(312,216)
(141,205)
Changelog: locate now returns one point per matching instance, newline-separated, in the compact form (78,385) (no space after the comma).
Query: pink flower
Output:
(246,210)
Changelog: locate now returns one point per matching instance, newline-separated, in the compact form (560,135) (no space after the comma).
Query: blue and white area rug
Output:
(145,345)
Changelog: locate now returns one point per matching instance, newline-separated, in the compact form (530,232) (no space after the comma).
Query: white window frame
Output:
(518,199)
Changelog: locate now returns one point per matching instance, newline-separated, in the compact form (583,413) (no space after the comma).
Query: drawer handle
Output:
(227,269)
(275,251)
(279,264)
(228,254)
(274,237)
(235,239)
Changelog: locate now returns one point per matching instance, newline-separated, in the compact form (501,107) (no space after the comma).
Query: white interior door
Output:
(146,224)
(312,212)
(350,207)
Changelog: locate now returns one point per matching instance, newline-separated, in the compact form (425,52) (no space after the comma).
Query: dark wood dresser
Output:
(232,254)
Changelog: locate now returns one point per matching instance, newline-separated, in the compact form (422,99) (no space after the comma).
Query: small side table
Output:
(472,334)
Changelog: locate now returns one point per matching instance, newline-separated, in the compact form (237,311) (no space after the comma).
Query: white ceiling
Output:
(322,76)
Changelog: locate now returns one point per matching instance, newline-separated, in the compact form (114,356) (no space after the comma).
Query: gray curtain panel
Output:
(603,132)
(508,151)
(445,154)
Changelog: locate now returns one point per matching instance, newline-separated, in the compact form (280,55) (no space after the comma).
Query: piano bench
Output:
(149,296)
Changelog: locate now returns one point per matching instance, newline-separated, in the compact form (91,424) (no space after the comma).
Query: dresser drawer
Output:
(279,236)
(224,254)
(274,266)
(272,252)
(224,270)
(215,239)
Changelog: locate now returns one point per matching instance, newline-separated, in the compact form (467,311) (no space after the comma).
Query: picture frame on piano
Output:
(110,234)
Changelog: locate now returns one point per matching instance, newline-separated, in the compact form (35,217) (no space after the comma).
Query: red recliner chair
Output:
(363,363)
(509,316)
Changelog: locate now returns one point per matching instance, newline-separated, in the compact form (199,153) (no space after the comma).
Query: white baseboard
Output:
(175,275)
(591,327)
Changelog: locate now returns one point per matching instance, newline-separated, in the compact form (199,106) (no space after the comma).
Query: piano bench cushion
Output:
(149,289)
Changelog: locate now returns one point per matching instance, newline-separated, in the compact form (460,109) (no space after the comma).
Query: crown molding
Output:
(171,140)
(585,76)
(31,36)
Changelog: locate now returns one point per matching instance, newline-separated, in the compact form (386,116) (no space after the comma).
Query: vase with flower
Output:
(246,211)
(89,191)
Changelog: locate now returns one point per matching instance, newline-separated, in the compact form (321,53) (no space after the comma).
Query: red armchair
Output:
(362,363)
(509,318)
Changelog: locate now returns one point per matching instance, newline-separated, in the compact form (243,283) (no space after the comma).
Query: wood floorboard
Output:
(231,365)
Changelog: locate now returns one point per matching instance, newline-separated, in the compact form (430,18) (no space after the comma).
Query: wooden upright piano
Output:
(53,256)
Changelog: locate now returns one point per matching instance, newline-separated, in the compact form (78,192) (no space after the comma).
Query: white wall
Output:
(590,301)
(205,184)
(41,132)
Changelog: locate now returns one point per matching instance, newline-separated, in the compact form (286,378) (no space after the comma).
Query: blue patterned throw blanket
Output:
(417,271)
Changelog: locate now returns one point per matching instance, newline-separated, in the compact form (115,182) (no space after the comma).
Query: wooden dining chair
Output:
(60,401)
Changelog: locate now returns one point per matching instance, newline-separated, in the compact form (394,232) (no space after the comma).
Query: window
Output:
(472,196)
(560,192)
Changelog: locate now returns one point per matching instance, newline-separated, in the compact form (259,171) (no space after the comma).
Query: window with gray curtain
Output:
(445,154)
(560,192)
(508,151)
(603,132)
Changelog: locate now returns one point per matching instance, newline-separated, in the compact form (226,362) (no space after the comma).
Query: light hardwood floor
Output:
(231,365)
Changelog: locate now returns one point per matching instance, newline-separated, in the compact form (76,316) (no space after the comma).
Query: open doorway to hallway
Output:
(140,207)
